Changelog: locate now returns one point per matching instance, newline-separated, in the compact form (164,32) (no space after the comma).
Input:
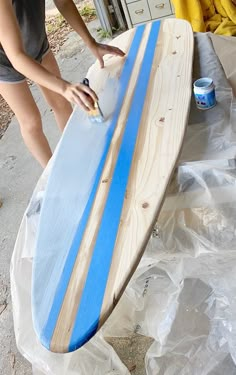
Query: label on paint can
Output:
(204,92)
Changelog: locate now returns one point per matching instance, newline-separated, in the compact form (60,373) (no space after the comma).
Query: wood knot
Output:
(105,180)
(145,205)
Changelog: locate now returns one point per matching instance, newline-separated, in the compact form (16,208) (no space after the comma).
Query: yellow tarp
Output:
(217,16)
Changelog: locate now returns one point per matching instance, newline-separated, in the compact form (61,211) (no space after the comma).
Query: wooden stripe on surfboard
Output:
(78,277)
(46,332)
(87,319)
(161,133)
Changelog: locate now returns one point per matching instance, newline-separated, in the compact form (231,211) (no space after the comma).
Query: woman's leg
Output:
(20,99)
(61,107)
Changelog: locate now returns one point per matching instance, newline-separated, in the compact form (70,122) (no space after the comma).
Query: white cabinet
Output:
(159,8)
(141,11)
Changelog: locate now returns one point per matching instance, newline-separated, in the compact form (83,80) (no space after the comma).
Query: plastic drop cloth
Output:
(183,294)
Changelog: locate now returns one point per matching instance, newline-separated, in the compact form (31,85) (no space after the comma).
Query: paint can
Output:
(204,92)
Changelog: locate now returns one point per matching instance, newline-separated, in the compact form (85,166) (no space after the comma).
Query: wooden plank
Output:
(111,196)
(103,15)
(118,14)
(161,134)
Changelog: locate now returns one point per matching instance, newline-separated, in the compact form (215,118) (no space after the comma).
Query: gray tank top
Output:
(31,18)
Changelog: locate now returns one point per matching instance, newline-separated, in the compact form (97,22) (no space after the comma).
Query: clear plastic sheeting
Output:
(210,134)
(183,293)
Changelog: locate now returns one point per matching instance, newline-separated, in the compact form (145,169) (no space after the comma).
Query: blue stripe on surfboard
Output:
(48,329)
(87,319)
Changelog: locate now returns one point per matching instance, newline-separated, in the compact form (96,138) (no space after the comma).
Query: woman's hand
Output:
(69,11)
(99,50)
(80,94)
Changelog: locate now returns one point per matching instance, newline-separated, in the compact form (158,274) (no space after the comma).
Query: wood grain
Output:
(160,136)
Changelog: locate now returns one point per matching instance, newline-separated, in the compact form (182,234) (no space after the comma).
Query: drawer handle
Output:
(160,6)
(139,11)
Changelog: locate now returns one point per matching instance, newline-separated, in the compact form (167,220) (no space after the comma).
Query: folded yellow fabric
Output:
(217,16)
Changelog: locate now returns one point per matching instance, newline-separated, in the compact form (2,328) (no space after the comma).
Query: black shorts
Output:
(9,75)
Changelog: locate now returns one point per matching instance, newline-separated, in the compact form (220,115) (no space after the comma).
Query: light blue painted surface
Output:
(72,194)
(65,200)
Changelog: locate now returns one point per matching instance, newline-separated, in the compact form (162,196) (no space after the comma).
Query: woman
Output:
(25,52)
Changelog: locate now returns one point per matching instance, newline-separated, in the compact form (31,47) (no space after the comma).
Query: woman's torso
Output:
(31,18)
(30,15)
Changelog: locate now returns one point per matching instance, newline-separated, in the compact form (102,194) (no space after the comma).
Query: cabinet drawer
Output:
(139,11)
(159,8)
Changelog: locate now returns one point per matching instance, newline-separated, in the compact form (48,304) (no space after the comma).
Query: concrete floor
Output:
(18,176)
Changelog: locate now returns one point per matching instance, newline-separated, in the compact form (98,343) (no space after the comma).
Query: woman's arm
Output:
(69,11)
(10,39)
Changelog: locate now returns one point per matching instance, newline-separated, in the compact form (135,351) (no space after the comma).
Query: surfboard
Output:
(108,182)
